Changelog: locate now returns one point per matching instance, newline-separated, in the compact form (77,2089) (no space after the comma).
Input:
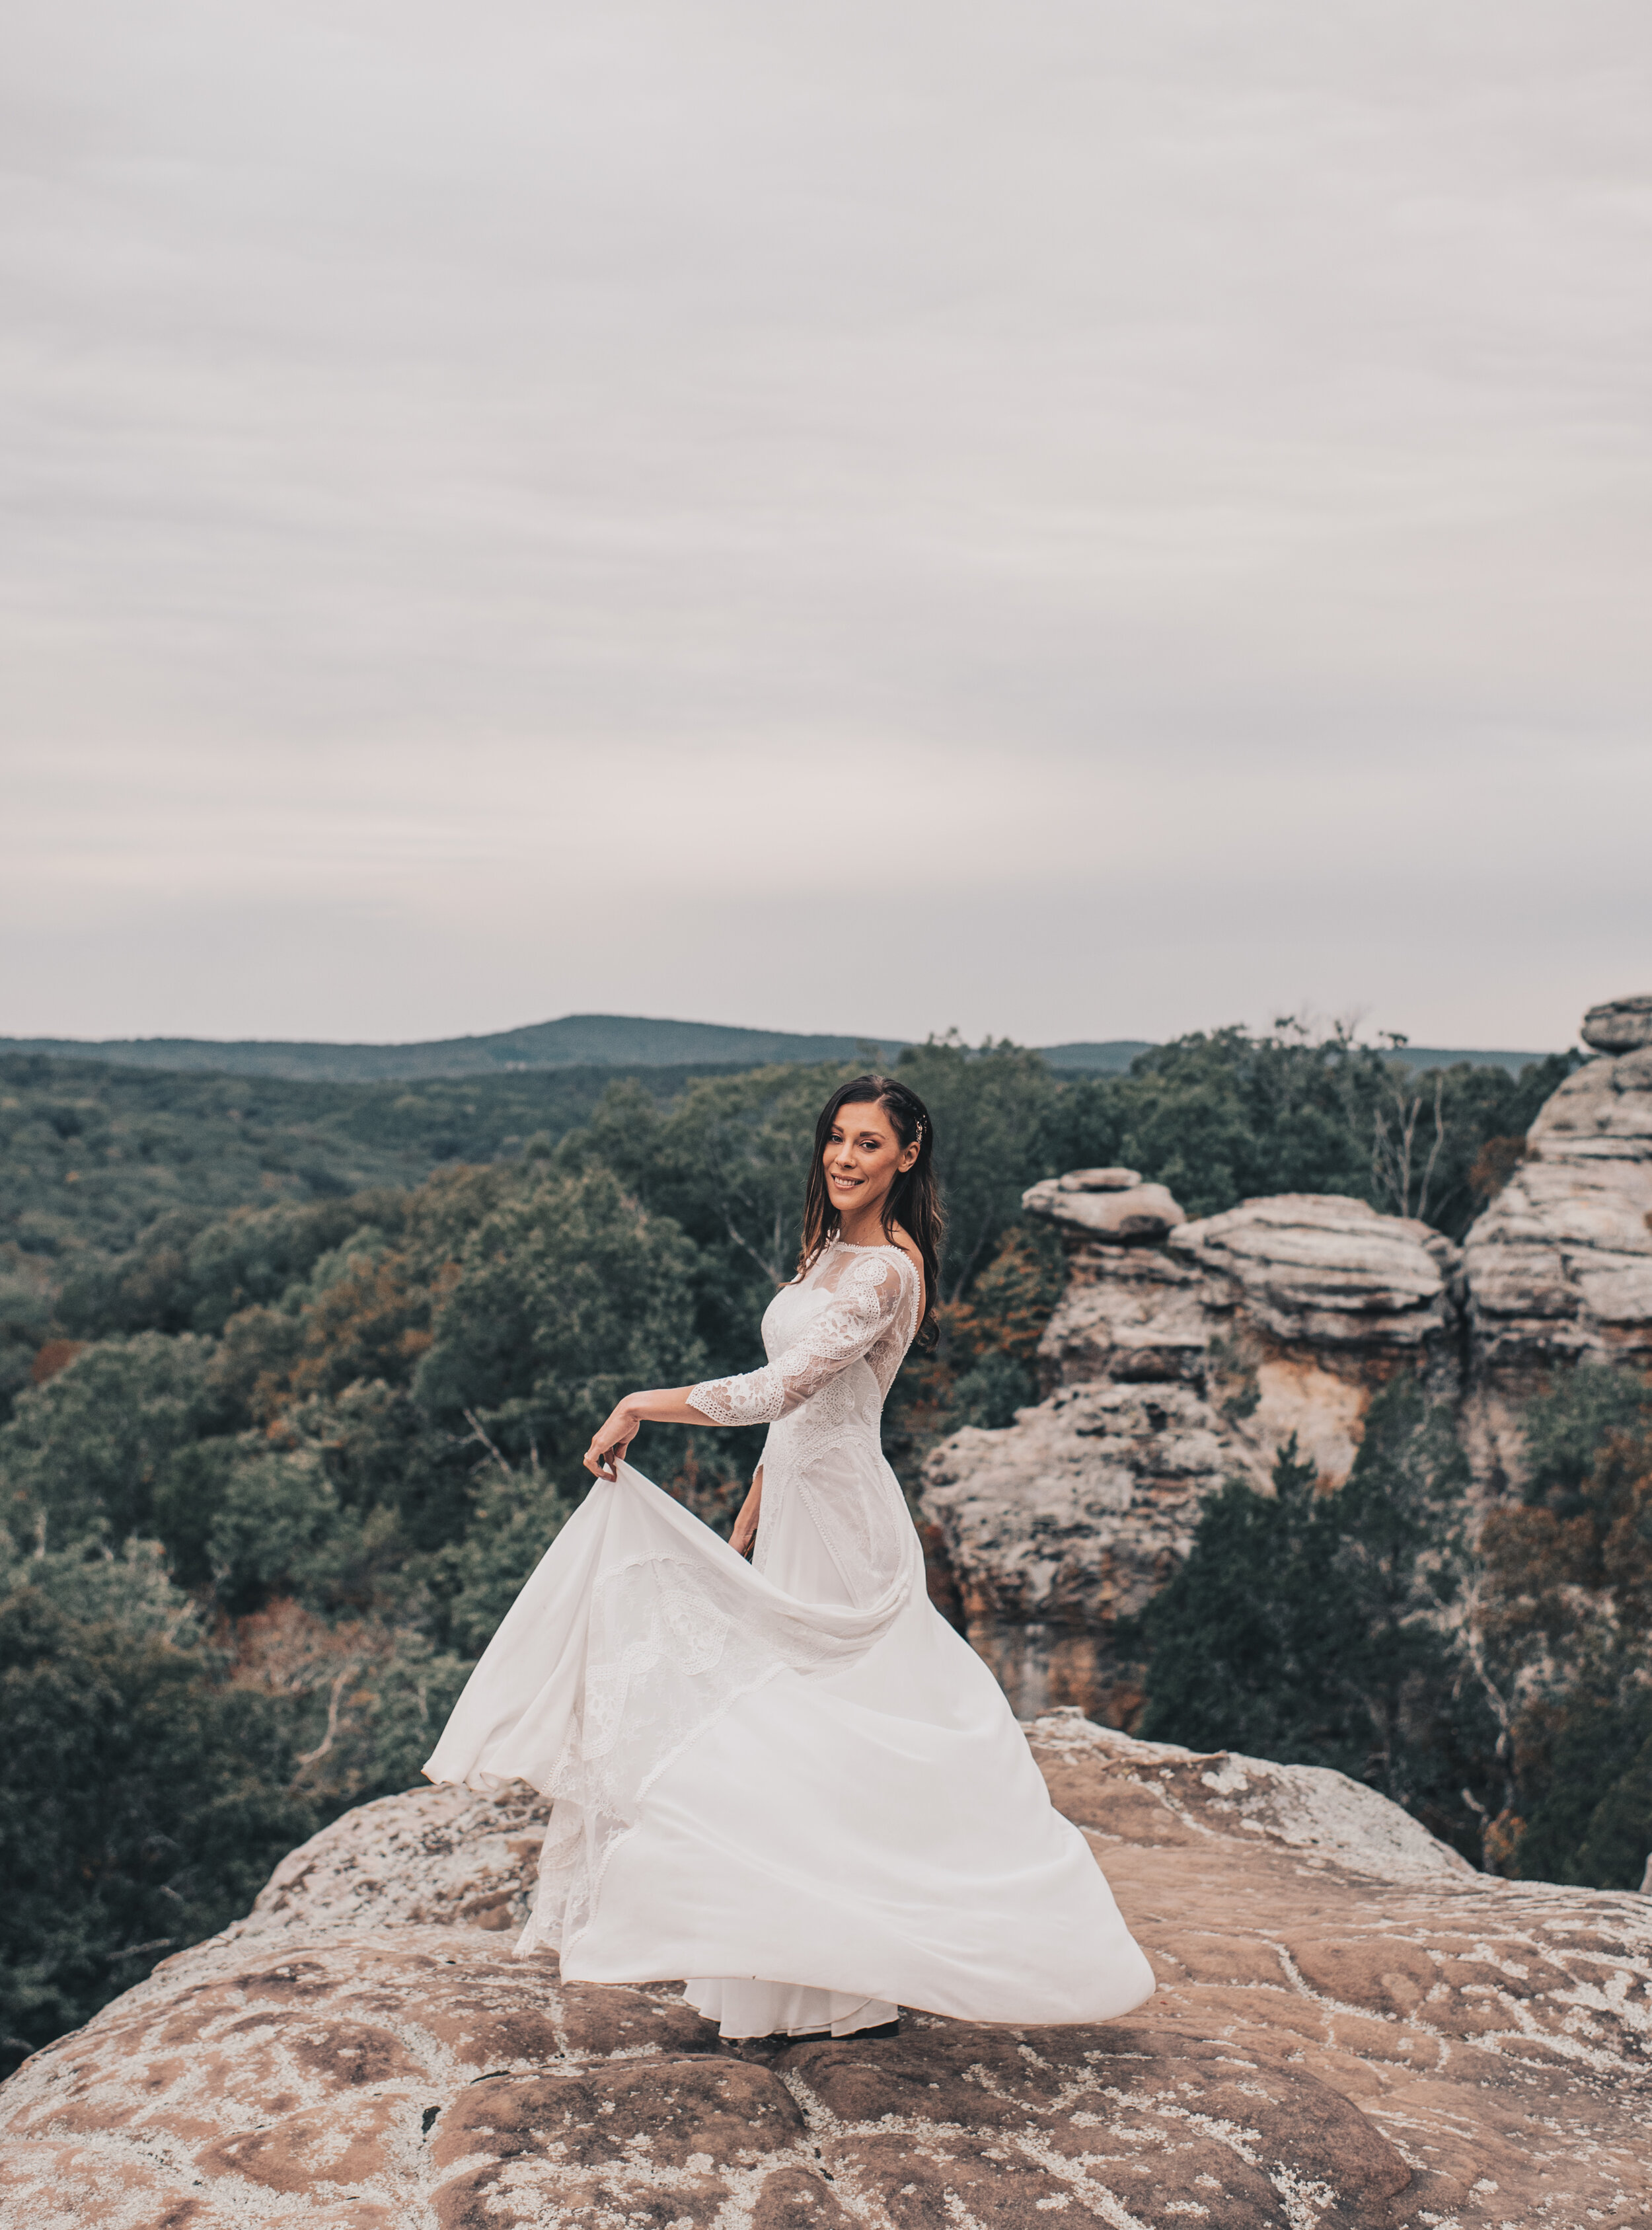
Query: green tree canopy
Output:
(1316,1628)
(568,1294)
(1566,1613)
(82,1453)
(141,1805)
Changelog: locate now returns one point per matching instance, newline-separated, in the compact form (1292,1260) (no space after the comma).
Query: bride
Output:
(789,1778)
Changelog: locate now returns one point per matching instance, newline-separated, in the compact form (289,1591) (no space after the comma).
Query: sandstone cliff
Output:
(1184,1354)
(1560,1264)
(1353,2032)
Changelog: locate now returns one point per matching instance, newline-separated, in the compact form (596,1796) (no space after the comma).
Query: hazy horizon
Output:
(1075,525)
(694,1021)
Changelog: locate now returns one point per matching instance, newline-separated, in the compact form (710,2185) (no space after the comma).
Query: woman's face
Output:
(863,1157)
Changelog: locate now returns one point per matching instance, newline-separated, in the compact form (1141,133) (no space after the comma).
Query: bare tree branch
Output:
(1434,1151)
(476,1427)
(764,1263)
(309,1757)
(1393,1153)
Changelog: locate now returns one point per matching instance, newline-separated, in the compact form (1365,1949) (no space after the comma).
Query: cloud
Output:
(532,509)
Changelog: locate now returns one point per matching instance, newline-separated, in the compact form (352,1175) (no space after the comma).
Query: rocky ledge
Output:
(1351,2032)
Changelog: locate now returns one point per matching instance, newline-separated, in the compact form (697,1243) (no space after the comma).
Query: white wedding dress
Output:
(790,1778)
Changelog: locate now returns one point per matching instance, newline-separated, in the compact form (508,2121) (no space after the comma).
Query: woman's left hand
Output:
(610,1442)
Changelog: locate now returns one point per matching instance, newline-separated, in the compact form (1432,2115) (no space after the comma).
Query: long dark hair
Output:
(913,1199)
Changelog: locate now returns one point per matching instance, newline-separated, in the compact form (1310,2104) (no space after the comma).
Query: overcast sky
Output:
(1069,521)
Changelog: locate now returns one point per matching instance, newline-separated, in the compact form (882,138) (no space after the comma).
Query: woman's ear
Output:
(908,1154)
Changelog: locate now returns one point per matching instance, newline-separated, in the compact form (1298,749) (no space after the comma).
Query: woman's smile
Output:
(865,1158)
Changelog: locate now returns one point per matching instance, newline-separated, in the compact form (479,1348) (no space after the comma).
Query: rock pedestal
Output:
(1619,1025)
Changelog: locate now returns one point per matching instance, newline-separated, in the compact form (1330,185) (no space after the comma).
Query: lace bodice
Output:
(854,1305)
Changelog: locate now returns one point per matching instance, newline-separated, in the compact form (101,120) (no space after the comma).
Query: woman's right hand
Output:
(607,1448)
(743,1539)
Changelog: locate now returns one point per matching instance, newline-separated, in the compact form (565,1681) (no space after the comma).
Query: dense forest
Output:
(1498,1685)
(298,1377)
(92,1154)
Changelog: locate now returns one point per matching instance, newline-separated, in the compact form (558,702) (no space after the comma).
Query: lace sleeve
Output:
(863,1307)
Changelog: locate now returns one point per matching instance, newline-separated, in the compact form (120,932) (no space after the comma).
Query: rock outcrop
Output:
(1560,1266)
(1183,1354)
(1619,1025)
(1175,1362)
(1074,1516)
(1111,1207)
(1351,2032)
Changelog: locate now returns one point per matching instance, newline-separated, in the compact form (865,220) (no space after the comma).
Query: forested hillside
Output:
(616,1041)
(91,1155)
(299,1378)
(623,1041)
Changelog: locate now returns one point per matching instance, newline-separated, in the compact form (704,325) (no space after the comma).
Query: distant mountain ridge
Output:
(574,1041)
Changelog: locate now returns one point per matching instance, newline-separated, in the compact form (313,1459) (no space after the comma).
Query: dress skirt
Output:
(815,1810)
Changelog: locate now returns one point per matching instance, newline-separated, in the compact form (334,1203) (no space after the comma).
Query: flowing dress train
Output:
(790,1781)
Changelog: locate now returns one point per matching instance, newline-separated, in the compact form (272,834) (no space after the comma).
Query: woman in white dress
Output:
(788,1779)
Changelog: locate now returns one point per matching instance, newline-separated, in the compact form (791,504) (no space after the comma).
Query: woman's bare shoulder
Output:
(908,1247)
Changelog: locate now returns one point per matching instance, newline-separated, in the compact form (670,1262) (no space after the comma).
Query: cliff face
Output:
(1184,1354)
(1351,2032)
(1175,1362)
(1560,1264)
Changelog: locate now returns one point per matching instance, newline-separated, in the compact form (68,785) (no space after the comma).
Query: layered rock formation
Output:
(1181,1355)
(1112,1206)
(1353,2032)
(1619,1025)
(1184,1354)
(1560,1264)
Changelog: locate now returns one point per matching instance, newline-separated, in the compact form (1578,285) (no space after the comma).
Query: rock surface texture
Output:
(1353,2032)
(1170,1367)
